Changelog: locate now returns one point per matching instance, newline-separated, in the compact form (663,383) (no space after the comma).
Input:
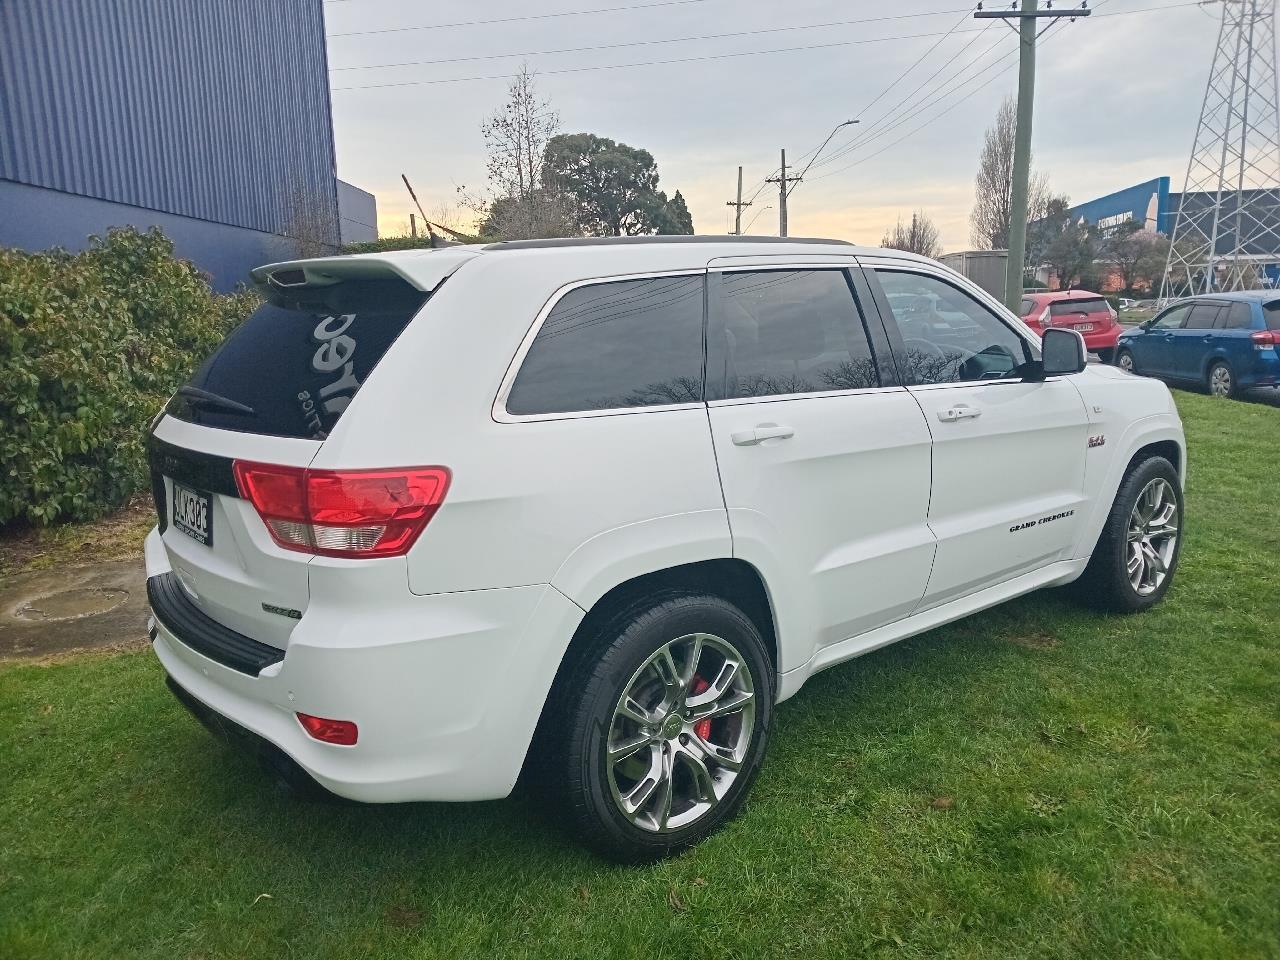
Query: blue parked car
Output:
(1226,342)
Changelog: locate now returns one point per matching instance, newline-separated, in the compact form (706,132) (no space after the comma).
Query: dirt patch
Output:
(45,612)
(117,537)
(1036,640)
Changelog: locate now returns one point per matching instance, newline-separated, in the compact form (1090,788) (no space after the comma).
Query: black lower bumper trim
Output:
(203,634)
(282,766)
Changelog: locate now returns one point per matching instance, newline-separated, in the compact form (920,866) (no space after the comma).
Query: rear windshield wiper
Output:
(214,401)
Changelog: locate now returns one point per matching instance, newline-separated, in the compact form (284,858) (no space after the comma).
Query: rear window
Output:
(1272,312)
(291,372)
(615,345)
(1062,308)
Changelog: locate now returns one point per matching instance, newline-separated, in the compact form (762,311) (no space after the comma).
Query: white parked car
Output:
(590,509)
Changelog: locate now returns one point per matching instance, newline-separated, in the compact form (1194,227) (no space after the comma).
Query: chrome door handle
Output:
(761,432)
(960,411)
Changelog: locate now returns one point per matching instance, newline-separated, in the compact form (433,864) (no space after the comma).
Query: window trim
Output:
(850,268)
(499,410)
(1001,313)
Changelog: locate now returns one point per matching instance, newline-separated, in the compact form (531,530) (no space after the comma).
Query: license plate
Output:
(193,513)
(1084,327)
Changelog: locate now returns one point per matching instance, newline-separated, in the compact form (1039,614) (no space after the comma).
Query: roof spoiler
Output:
(282,283)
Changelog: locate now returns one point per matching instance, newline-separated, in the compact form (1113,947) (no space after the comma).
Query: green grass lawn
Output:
(1035,781)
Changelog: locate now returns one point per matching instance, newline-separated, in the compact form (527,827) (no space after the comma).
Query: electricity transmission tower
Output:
(1228,220)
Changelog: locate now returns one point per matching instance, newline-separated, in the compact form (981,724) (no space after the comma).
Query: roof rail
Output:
(627,241)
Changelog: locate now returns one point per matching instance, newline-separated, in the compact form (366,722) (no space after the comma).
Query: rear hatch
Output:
(1085,314)
(271,394)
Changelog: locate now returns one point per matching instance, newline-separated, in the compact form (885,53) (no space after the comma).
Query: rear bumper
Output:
(1265,371)
(1096,340)
(445,689)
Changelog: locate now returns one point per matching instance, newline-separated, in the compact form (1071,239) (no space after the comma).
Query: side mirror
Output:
(1063,352)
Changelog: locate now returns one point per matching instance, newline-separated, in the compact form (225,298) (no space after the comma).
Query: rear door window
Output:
(780,332)
(615,345)
(292,371)
(1063,308)
(1238,317)
(1203,316)
(1025,307)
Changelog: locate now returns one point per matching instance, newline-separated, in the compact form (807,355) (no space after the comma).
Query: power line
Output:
(939,93)
(646,63)
(528,16)
(957,103)
(908,108)
(642,43)
(892,117)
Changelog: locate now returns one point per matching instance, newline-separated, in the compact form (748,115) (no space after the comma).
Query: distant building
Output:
(209,120)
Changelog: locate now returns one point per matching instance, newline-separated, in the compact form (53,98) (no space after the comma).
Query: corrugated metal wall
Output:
(214,109)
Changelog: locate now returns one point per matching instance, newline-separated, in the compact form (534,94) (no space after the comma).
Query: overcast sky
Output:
(1117,97)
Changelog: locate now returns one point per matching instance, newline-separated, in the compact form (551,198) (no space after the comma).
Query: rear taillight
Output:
(343,513)
(1265,339)
(341,732)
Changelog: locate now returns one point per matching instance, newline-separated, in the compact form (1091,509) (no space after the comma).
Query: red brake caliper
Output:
(703,727)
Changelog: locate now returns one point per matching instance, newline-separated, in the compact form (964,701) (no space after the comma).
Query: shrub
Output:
(91,346)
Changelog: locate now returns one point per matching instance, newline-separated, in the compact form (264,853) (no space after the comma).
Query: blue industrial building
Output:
(210,120)
(1152,205)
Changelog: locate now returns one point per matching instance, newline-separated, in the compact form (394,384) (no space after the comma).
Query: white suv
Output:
(621,497)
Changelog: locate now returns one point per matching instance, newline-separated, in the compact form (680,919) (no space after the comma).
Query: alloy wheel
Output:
(1125,361)
(1152,537)
(680,732)
(1220,381)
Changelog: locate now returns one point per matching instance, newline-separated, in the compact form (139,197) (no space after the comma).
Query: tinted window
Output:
(1172,318)
(1061,308)
(1272,314)
(1026,307)
(779,332)
(631,343)
(949,337)
(1238,317)
(1203,316)
(292,372)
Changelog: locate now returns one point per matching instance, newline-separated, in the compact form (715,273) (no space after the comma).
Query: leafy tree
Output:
(993,187)
(919,236)
(613,188)
(678,218)
(1071,252)
(1041,232)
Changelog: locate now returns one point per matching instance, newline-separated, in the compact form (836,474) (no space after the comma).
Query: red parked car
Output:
(1089,313)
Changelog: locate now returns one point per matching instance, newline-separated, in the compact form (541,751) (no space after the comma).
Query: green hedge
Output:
(91,346)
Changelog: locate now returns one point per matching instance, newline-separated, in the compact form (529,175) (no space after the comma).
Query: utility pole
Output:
(413,227)
(738,204)
(1028,32)
(782,180)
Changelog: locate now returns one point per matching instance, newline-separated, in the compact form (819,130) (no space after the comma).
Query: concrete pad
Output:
(73,608)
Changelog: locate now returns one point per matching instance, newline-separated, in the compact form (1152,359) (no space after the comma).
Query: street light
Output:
(818,152)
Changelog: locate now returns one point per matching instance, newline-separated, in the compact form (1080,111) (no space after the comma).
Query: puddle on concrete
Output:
(70,604)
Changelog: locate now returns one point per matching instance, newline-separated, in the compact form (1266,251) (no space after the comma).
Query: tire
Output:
(1220,380)
(1125,361)
(1107,355)
(625,810)
(1109,581)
